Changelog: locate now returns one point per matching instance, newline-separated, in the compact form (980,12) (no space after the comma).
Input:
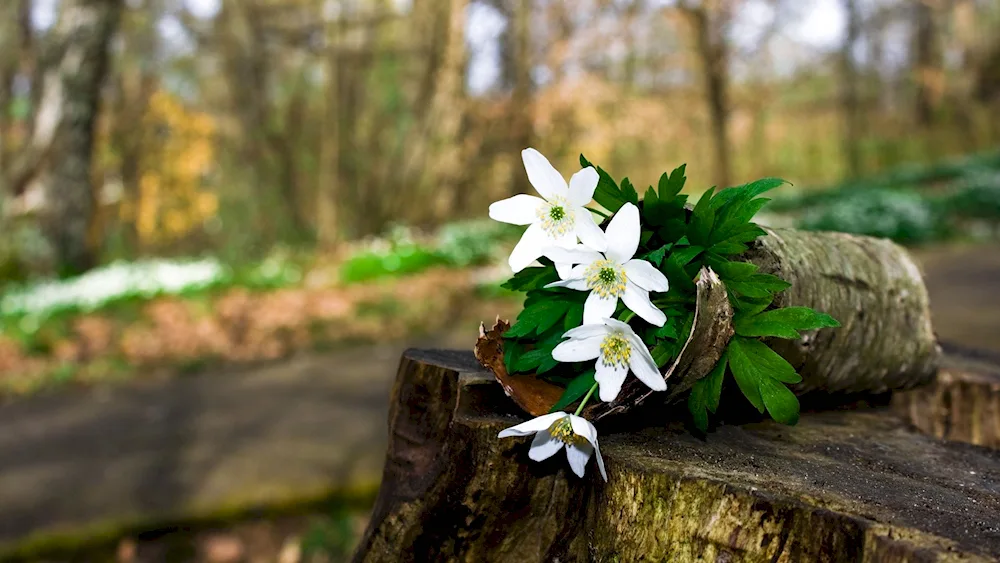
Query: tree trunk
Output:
(521,118)
(709,22)
(839,486)
(849,90)
(328,225)
(927,62)
(64,125)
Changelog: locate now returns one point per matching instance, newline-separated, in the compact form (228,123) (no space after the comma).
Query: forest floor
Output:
(288,433)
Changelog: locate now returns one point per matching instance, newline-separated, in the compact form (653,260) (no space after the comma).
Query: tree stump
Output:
(840,486)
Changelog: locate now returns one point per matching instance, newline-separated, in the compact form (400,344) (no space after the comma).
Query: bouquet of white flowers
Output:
(614,289)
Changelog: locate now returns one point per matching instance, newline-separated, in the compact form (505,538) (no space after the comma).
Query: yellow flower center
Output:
(562,430)
(606,278)
(615,350)
(556,218)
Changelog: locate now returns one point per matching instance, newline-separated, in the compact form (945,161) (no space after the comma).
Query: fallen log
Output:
(840,486)
(872,286)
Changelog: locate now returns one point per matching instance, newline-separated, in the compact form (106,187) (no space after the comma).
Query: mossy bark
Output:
(873,287)
(840,486)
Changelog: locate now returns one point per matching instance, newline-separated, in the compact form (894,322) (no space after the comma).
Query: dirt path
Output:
(312,426)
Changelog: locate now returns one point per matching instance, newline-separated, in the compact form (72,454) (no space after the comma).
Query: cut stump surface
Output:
(839,486)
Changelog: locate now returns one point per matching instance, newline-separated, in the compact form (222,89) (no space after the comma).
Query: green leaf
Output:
(781,403)
(679,279)
(656,257)
(748,191)
(748,307)
(729,248)
(732,217)
(702,219)
(684,255)
(531,278)
(607,194)
(512,350)
(749,289)
(669,186)
(730,270)
(574,317)
(698,407)
(784,323)
(547,364)
(668,330)
(746,233)
(628,192)
(537,317)
(531,359)
(746,374)
(575,390)
(769,282)
(765,361)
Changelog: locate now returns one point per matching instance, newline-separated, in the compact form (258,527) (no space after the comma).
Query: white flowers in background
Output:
(558,219)
(614,274)
(617,349)
(557,430)
(101,285)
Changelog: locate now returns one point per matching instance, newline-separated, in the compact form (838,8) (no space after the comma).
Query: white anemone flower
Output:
(613,274)
(558,429)
(558,219)
(617,349)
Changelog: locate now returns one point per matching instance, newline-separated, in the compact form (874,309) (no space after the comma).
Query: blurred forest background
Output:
(132,128)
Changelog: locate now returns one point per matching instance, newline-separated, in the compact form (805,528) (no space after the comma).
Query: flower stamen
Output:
(562,430)
(556,218)
(615,350)
(606,278)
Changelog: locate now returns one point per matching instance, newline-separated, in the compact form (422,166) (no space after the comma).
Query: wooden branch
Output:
(839,486)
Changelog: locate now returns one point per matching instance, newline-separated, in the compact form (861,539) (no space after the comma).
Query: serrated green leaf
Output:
(730,270)
(780,402)
(769,282)
(575,390)
(512,350)
(747,288)
(607,194)
(685,254)
(747,191)
(668,330)
(574,317)
(531,278)
(529,360)
(669,186)
(537,316)
(784,323)
(629,192)
(656,257)
(746,233)
(546,365)
(731,218)
(729,248)
(680,280)
(745,373)
(702,220)
(764,361)
(748,307)
(673,230)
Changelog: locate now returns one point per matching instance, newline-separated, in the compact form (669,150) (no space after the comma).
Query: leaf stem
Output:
(586,397)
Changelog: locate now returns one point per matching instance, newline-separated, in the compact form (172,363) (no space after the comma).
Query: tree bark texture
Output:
(839,486)
(65,121)
(870,285)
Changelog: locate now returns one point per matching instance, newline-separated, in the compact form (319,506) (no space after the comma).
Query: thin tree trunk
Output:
(328,224)
(849,91)
(64,125)
(927,64)
(709,21)
(520,100)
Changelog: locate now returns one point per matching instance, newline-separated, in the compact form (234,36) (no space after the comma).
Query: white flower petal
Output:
(646,276)
(583,427)
(642,365)
(590,234)
(545,179)
(622,326)
(577,350)
(582,186)
(587,331)
(578,456)
(576,254)
(529,248)
(598,308)
(567,240)
(623,234)
(544,446)
(521,209)
(563,269)
(611,379)
(637,299)
(534,425)
(578,284)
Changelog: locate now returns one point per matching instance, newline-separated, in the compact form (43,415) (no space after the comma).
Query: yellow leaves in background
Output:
(178,154)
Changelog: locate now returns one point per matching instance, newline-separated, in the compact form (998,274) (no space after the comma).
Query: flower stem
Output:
(586,397)
(601,213)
